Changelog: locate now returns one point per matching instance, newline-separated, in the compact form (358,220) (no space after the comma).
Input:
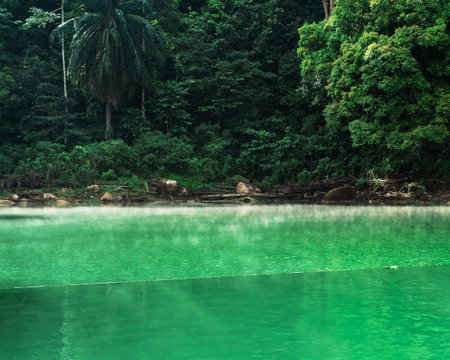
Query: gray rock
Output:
(93,188)
(107,196)
(246,188)
(165,185)
(48,196)
(171,186)
(6,202)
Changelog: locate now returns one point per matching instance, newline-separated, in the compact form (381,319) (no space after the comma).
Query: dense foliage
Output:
(384,68)
(243,91)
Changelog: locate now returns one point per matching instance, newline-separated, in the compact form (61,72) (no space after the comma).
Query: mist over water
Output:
(90,244)
(370,313)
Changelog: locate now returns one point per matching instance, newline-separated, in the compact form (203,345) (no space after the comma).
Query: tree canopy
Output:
(384,69)
(269,90)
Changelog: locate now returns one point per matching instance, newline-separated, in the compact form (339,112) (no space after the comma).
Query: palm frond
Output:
(100,6)
(86,20)
(66,26)
(136,6)
(107,58)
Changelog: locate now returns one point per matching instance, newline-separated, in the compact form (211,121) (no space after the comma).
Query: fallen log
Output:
(222,196)
(318,185)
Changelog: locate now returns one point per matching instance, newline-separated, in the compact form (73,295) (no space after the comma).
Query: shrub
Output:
(160,154)
(114,157)
(44,163)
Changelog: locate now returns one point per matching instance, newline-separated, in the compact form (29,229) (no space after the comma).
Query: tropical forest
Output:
(207,92)
(224,179)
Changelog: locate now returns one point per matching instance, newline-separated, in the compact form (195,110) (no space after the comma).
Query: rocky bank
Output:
(338,190)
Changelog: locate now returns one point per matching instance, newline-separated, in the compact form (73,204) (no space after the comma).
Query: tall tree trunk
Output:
(108,119)
(143,100)
(325,8)
(63,55)
(143,78)
(331,6)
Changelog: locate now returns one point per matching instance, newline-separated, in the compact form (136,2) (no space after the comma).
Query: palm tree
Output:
(106,58)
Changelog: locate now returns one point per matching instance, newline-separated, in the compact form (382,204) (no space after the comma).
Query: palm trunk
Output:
(331,6)
(108,119)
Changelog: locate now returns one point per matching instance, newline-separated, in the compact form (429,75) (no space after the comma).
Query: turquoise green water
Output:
(370,313)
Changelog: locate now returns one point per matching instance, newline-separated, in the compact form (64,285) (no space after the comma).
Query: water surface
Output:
(86,245)
(321,290)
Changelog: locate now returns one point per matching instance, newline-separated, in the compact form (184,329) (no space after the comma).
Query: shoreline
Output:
(343,190)
(26,200)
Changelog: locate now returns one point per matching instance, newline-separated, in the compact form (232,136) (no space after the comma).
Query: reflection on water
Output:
(362,314)
(21,217)
(90,244)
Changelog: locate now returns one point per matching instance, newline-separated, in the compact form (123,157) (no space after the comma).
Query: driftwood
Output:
(317,186)
(222,196)
(386,182)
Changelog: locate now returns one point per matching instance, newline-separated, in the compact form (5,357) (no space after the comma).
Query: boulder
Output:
(246,188)
(344,193)
(165,185)
(48,196)
(93,188)
(62,202)
(107,196)
(171,186)
(15,197)
(6,202)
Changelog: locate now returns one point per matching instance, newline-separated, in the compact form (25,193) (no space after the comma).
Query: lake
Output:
(225,282)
